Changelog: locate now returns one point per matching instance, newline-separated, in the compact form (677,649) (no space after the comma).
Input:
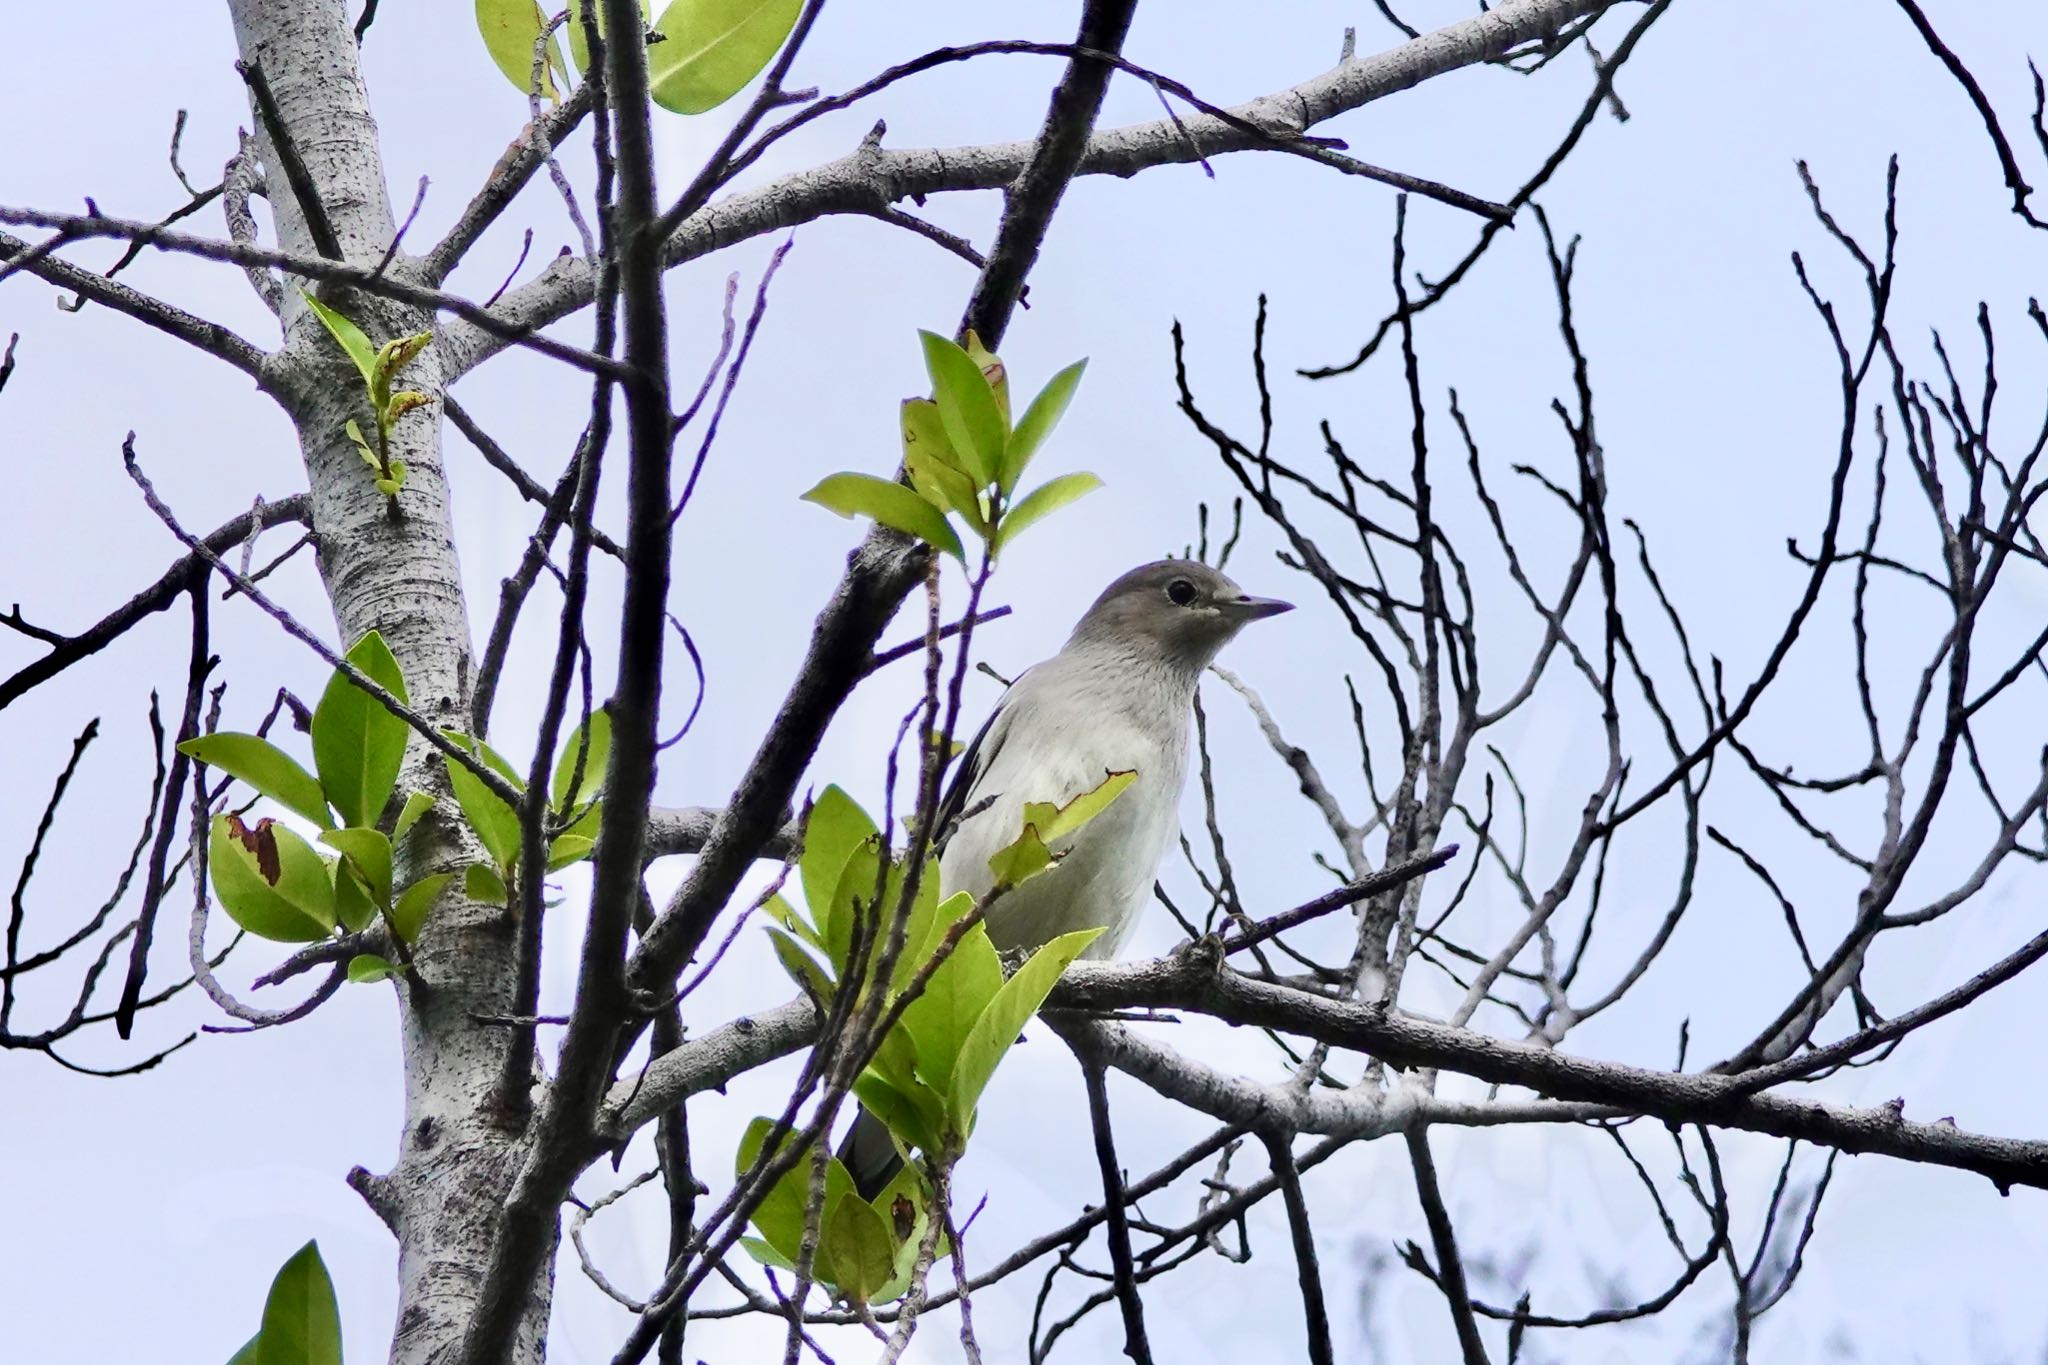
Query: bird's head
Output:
(1177,611)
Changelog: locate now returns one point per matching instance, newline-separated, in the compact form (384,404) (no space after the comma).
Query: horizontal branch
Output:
(1192,979)
(686,829)
(870,179)
(210,337)
(387,284)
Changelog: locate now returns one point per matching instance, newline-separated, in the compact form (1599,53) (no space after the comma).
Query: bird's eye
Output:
(1180,592)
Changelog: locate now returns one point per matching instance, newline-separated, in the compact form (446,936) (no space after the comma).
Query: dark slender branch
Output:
(1387,879)
(1307,1270)
(1450,1273)
(2008,165)
(303,187)
(201,664)
(1119,1227)
(155,598)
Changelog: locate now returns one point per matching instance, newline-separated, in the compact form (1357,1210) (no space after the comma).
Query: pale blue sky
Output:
(175,1195)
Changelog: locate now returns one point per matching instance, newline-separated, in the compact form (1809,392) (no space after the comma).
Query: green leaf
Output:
(416,805)
(366,967)
(1038,421)
(250,1352)
(357,744)
(713,48)
(759,1250)
(803,969)
(409,911)
(857,1242)
(993,370)
(270,881)
(1020,860)
(915,1120)
(940,1020)
(494,821)
(853,898)
(362,444)
(370,851)
(510,28)
(1055,823)
(835,827)
(265,767)
(903,1206)
(899,508)
(1005,1017)
(597,756)
(345,333)
(974,425)
(392,357)
(567,850)
(482,884)
(301,1324)
(785,914)
(780,1218)
(934,472)
(923,911)
(353,906)
(1042,502)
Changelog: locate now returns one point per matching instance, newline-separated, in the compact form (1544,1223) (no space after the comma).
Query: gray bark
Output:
(397,574)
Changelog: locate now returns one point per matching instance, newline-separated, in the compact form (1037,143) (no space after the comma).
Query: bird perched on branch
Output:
(1117,698)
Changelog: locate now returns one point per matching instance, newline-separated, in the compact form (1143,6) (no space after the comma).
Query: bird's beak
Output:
(1256,608)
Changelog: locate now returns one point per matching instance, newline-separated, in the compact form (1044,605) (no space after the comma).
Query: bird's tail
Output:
(869,1154)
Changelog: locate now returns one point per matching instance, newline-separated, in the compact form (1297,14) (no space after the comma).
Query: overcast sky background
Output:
(146,1216)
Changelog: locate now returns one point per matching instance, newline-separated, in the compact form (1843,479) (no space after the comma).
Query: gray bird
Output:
(1117,698)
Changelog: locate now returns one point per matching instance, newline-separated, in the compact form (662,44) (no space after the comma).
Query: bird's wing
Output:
(981,754)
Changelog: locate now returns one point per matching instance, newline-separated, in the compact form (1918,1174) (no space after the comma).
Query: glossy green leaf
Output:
(759,1250)
(1041,502)
(852,899)
(354,908)
(567,850)
(1055,823)
(301,1324)
(265,767)
(898,508)
(270,881)
(409,910)
(595,756)
(993,371)
(249,1354)
(357,744)
(934,472)
(392,357)
(786,915)
(495,822)
(903,1205)
(711,49)
(803,969)
(367,967)
(780,1217)
(917,930)
(363,448)
(482,884)
(857,1242)
(1020,860)
(370,851)
(974,425)
(910,1119)
(835,827)
(940,1020)
(1006,1015)
(510,28)
(416,805)
(346,334)
(1038,421)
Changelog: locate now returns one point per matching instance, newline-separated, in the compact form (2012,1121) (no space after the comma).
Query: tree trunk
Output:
(389,565)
